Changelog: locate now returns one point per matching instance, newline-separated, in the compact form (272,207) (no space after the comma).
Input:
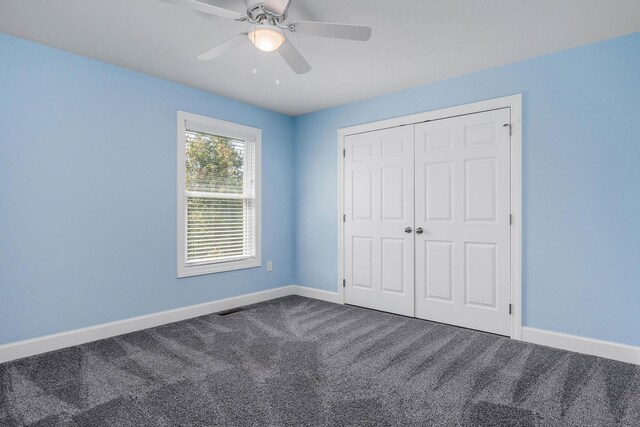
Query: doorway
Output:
(430,216)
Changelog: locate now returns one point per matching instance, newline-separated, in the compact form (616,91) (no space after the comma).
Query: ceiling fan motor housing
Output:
(257,13)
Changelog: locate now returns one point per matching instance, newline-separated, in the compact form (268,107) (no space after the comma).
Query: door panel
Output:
(462,187)
(480,190)
(392,199)
(393,265)
(438,270)
(362,262)
(480,274)
(438,197)
(361,201)
(379,205)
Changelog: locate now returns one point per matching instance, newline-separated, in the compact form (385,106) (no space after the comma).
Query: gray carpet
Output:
(296,361)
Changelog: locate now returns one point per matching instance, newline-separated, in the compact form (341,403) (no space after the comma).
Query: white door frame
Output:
(513,102)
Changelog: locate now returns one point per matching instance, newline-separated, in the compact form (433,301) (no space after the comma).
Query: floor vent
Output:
(231,311)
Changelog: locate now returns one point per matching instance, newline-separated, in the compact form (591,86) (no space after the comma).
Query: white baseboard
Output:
(328,296)
(30,347)
(19,349)
(610,350)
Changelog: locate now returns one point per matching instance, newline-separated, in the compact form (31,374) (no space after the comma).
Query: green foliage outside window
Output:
(215,226)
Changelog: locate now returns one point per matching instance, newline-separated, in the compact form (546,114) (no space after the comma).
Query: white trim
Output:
(608,349)
(20,349)
(52,342)
(318,294)
(30,347)
(514,102)
(475,107)
(340,284)
(232,130)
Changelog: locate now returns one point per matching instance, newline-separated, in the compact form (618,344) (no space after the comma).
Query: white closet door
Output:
(379,208)
(463,205)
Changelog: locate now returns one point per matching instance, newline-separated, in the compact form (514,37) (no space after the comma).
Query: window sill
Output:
(218,267)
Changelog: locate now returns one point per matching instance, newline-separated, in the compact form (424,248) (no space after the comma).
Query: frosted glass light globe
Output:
(266,38)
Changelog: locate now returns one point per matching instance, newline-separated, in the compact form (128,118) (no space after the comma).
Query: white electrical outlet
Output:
(269,265)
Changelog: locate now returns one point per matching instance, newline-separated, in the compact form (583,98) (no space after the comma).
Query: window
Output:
(218,195)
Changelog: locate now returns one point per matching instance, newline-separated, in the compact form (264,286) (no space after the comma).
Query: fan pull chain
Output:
(255,68)
(277,68)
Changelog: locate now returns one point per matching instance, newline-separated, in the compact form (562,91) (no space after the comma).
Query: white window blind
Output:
(220,204)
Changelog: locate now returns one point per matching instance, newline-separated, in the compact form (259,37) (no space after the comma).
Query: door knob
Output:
(407,230)
(419,230)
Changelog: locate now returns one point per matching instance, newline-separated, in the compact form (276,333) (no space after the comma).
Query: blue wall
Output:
(87,193)
(87,188)
(581,173)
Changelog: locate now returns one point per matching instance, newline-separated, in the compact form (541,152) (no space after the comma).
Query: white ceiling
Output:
(413,42)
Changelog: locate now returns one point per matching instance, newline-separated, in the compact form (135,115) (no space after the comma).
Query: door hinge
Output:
(344,283)
(344,152)
(510,309)
(509,126)
(344,218)
(510,219)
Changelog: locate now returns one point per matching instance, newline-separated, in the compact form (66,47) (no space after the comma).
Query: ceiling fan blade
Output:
(337,31)
(293,57)
(208,6)
(277,7)
(223,47)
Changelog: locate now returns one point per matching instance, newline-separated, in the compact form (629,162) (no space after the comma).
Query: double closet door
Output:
(427,220)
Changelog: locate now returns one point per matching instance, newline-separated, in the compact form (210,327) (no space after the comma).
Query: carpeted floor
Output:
(300,362)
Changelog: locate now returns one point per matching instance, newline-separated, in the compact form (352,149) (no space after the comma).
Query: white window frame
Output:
(231,130)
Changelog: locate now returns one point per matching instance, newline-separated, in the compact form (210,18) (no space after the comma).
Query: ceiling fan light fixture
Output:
(266,38)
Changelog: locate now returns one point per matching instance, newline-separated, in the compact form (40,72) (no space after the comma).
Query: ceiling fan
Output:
(269,20)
